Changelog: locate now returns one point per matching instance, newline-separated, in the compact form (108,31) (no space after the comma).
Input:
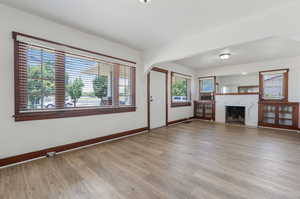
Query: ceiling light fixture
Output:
(145,1)
(224,56)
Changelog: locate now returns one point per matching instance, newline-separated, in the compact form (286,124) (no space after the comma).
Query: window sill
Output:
(181,104)
(43,115)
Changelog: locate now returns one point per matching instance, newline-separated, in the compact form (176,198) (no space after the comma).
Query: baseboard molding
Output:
(62,148)
(179,121)
(280,129)
(263,127)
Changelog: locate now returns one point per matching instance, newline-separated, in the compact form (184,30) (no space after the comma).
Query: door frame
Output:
(156,69)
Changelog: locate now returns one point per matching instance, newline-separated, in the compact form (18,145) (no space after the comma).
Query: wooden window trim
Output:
(63,112)
(15,34)
(285,86)
(180,104)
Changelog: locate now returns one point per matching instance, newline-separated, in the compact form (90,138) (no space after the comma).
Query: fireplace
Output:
(235,115)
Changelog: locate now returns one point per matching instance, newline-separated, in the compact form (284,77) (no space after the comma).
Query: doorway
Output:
(157,98)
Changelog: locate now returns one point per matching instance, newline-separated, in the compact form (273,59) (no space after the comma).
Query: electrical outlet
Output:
(51,154)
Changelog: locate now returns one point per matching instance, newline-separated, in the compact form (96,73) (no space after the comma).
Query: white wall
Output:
(177,113)
(21,137)
(232,82)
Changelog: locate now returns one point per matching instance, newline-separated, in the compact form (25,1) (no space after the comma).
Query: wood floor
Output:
(196,160)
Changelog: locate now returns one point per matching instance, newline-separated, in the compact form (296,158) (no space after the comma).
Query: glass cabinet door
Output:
(208,110)
(279,115)
(199,110)
(269,114)
(286,115)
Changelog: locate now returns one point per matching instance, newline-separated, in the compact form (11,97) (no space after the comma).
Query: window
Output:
(248,89)
(39,77)
(88,83)
(181,90)
(207,87)
(274,85)
(55,82)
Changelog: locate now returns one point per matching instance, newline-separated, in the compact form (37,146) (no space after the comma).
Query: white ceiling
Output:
(144,26)
(256,51)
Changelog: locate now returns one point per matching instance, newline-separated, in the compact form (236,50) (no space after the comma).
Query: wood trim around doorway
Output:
(148,94)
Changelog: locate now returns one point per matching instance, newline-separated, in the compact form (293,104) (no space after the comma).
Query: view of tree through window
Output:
(40,79)
(180,89)
(88,82)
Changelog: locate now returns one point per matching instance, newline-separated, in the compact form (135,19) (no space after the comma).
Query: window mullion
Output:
(116,78)
(285,86)
(42,78)
(186,89)
(133,86)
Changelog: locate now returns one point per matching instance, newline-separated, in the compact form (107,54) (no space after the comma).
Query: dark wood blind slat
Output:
(60,79)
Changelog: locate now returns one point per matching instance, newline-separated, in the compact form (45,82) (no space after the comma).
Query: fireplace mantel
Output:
(250,102)
(255,93)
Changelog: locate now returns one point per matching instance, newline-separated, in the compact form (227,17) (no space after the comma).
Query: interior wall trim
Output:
(41,153)
(148,94)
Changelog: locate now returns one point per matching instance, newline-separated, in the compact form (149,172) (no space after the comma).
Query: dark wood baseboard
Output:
(260,124)
(178,121)
(57,149)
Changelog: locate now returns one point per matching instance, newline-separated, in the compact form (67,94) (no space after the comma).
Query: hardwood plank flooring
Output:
(198,160)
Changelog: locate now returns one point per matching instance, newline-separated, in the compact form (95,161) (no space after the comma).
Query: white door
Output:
(157,99)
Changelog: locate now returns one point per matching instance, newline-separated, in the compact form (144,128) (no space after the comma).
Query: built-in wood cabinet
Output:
(204,110)
(279,114)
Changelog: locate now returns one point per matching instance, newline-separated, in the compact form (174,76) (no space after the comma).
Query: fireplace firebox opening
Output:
(235,115)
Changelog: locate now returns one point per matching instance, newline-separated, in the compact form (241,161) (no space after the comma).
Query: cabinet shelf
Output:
(269,118)
(285,119)
(267,111)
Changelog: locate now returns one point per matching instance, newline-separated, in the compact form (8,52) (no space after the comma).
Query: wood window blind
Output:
(54,80)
